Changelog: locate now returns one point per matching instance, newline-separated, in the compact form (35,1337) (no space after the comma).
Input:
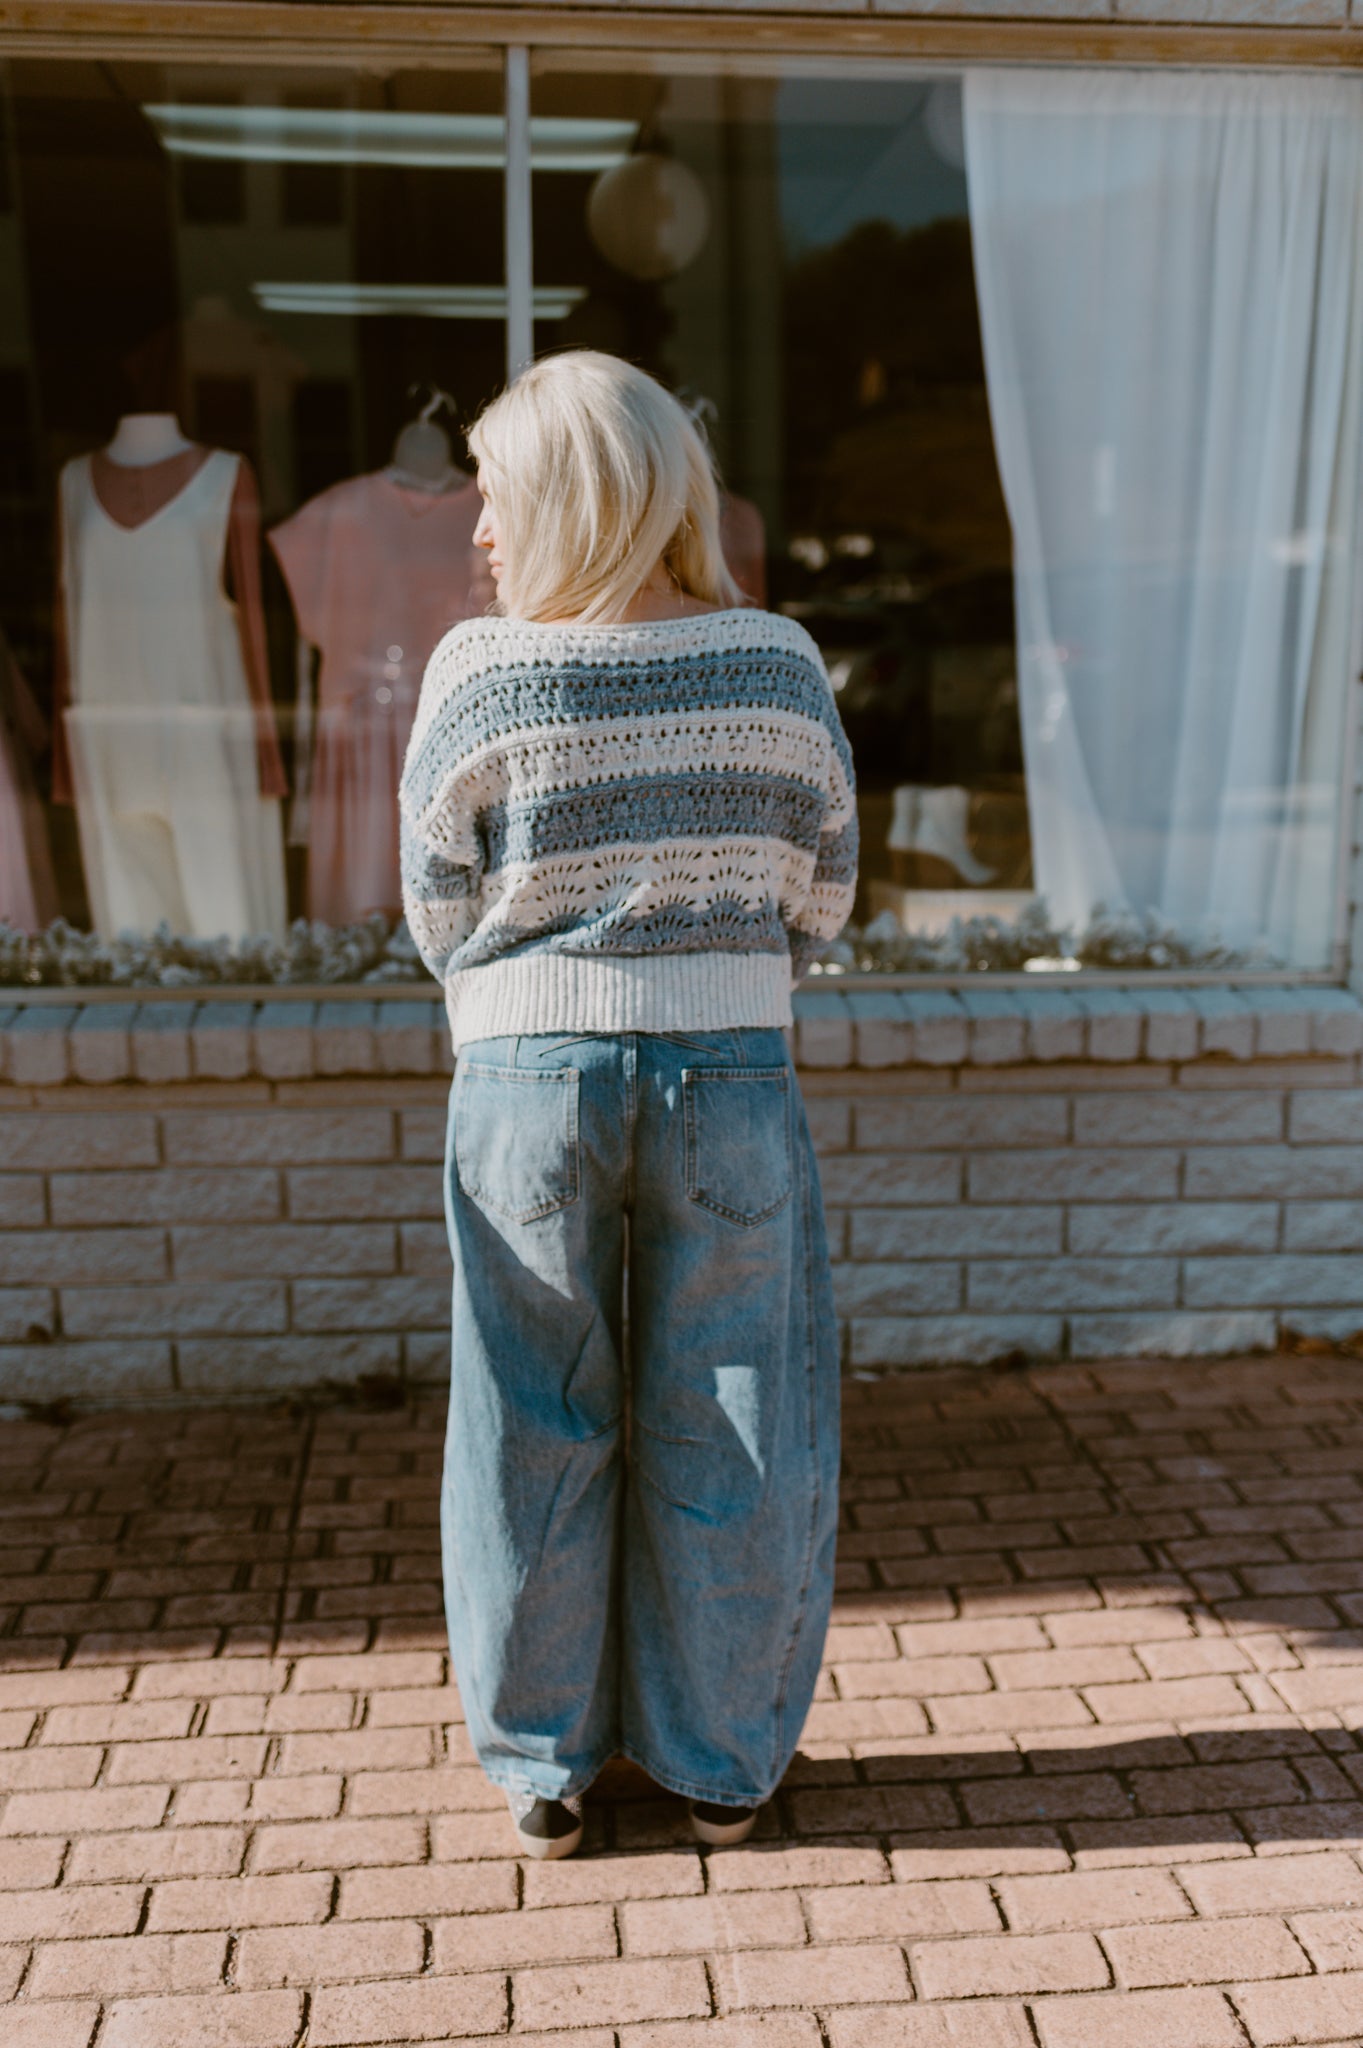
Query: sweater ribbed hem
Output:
(549,991)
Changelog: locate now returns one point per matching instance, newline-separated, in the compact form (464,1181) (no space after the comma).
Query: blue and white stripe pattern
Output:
(626,828)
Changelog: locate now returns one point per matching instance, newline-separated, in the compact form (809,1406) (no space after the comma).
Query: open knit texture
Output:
(626,828)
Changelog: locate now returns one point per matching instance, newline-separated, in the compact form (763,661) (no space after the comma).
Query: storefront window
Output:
(1037,396)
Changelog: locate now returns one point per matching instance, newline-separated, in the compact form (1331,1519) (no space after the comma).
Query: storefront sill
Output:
(106,1037)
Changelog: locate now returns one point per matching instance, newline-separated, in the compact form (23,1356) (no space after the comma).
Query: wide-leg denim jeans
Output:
(639,1496)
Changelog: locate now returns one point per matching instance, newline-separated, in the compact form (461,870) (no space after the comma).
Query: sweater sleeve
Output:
(442,855)
(833,884)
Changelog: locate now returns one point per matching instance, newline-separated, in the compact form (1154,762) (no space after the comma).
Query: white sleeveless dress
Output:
(161,729)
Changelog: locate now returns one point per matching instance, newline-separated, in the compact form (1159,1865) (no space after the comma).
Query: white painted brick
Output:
(444,1051)
(343,1038)
(1309,1320)
(25,1311)
(1055,1025)
(1178,1116)
(1024,10)
(830,1123)
(1331,1277)
(167,1194)
(1073,1174)
(8,1013)
(246,1307)
(903,1288)
(935,1123)
(998,1028)
(1020,1284)
(239,1365)
(422,1133)
(21,1199)
(823,1029)
(424,1248)
(281,1250)
(1227,1022)
(1241,13)
(1136,1229)
(882,1033)
(1326,1118)
(1282,1171)
(855,1177)
(97,1371)
(1172,1029)
(39,1045)
(1284,1022)
(1337,1021)
(1323,1226)
(44,1140)
(281,1041)
(1177,1333)
(50,1257)
(405,1036)
(277,1136)
(426,1356)
(345,1194)
(220,1040)
(410,1302)
(100,1047)
(1115,1024)
(951,1340)
(160,1041)
(966,1231)
(940,1027)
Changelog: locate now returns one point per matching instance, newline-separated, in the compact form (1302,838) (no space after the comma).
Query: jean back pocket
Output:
(515,1139)
(738,1141)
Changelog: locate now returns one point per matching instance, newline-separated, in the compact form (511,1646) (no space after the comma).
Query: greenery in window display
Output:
(62,957)
(375,951)
(1124,939)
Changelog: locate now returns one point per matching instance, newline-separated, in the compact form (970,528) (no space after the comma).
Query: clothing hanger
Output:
(422,457)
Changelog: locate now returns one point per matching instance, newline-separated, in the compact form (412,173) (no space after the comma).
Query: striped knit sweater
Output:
(625,828)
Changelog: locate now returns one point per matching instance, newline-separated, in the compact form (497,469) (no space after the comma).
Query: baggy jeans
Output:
(639,1497)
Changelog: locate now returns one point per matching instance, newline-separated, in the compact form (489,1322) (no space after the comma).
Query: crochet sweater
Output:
(625,828)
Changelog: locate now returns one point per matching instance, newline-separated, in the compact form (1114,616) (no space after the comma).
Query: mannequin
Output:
(422,458)
(742,529)
(378,567)
(167,743)
(141,438)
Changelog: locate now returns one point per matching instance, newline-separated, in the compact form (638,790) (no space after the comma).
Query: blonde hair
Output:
(597,475)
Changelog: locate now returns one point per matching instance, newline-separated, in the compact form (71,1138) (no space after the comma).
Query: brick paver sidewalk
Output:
(1083,1770)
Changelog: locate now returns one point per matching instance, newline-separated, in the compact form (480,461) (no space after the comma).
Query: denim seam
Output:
(662,1436)
(692,1507)
(816,1488)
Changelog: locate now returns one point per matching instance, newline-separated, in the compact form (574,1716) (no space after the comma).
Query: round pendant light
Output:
(648,216)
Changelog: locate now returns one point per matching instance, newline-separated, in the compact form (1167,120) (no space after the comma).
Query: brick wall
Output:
(1091,1173)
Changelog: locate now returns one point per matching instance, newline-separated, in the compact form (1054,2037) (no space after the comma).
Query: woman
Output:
(628,824)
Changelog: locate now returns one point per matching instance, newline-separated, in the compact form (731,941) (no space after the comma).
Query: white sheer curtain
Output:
(1170,276)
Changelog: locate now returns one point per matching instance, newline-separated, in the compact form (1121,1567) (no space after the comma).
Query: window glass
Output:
(1036,408)
(228,537)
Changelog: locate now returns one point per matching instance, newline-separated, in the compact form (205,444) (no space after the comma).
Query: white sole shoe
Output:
(723,1834)
(545,1828)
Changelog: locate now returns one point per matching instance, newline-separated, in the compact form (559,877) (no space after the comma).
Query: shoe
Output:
(722,1827)
(547,1828)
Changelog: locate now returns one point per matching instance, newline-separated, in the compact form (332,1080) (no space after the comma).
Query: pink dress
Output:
(377,571)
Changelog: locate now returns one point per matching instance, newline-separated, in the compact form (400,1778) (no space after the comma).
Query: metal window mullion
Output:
(520,323)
